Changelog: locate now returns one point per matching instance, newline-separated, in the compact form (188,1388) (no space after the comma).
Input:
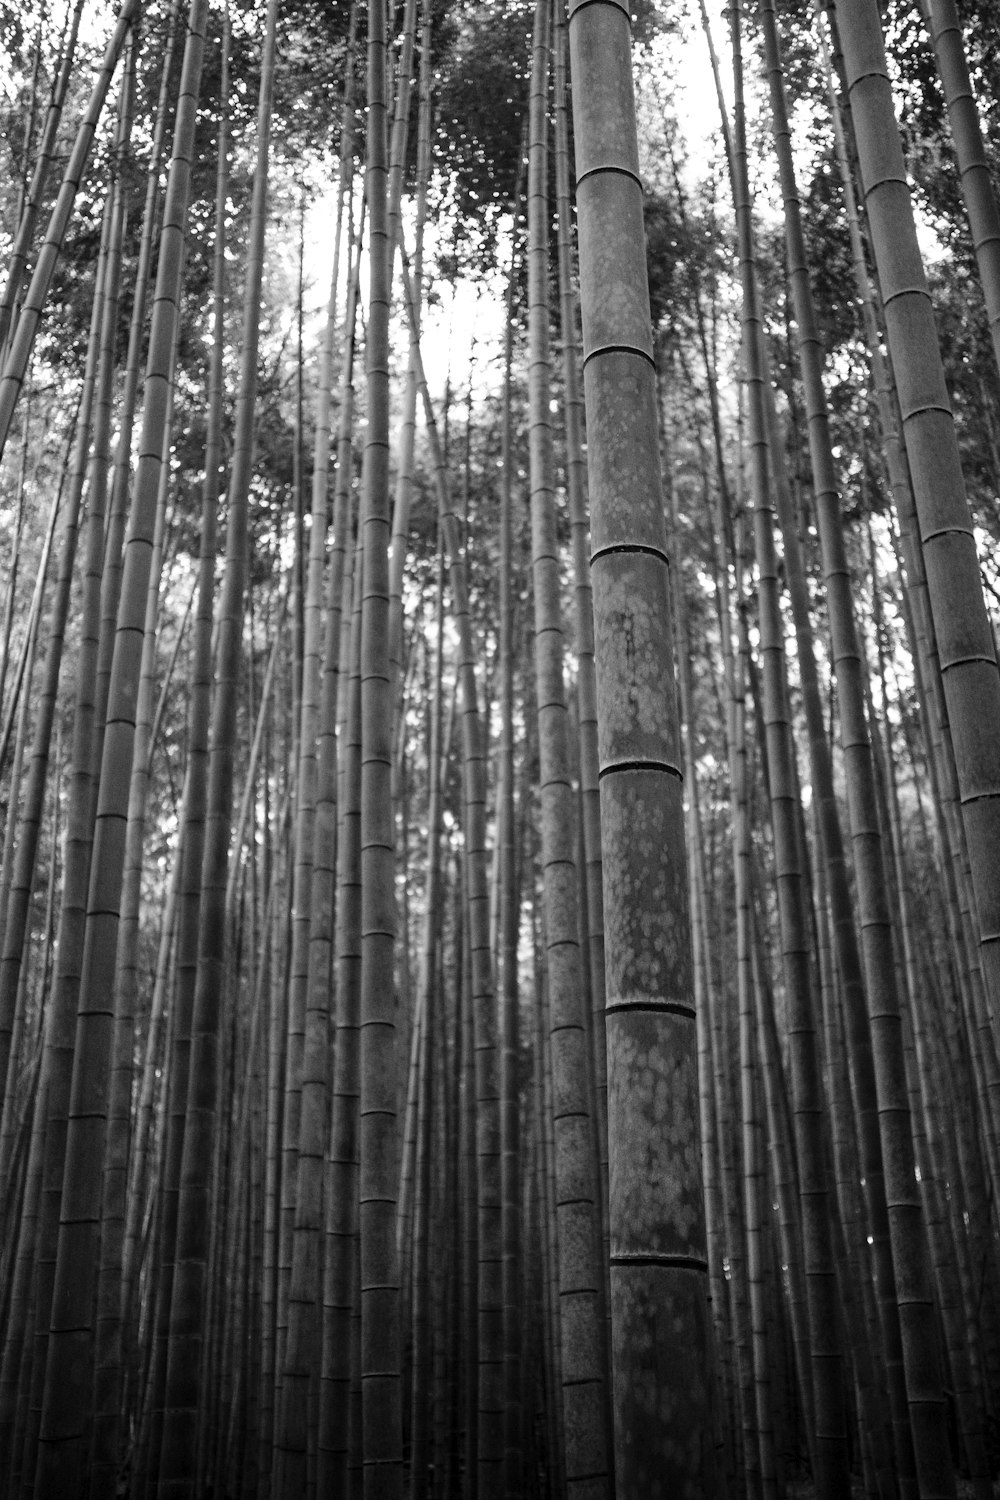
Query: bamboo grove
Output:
(499,751)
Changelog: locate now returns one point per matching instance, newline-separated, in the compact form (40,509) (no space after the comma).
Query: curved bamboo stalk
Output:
(32,200)
(22,342)
(967,137)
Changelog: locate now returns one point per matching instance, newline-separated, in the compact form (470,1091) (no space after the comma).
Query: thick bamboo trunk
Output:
(663,1425)
(577,1199)
(964,639)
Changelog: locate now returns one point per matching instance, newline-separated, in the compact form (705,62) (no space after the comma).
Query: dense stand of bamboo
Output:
(492,1003)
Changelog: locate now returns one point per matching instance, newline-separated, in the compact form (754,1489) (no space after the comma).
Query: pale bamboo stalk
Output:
(490,1438)
(967,138)
(14,569)
(23,338)
(407,426)
(32,200)
(19,858)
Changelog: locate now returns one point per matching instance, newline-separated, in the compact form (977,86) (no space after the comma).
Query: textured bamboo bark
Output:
(934,718)
(577,1199)
(965,644)
(967,138)
(663,1427)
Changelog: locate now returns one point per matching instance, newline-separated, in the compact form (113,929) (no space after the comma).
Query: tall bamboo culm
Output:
(658,1256)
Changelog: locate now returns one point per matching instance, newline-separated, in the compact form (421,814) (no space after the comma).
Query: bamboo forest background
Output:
(479,1015)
